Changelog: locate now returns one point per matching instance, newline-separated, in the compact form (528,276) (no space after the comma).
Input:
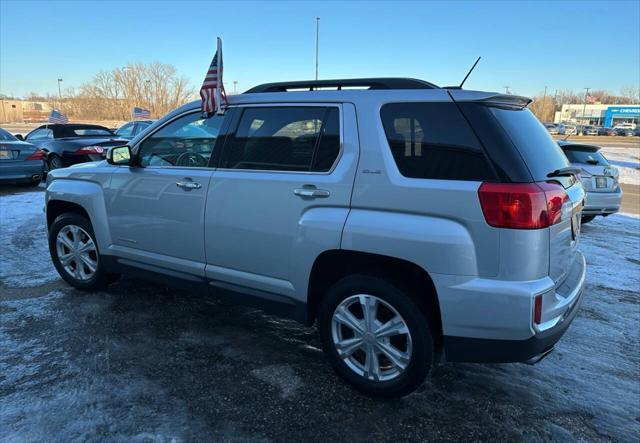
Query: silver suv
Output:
(414,224)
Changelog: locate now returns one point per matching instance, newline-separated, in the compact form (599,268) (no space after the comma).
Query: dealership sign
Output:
(620,112)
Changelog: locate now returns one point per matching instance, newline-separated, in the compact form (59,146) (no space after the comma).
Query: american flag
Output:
(141,113)
(57,117)
(212,90)
(591,99)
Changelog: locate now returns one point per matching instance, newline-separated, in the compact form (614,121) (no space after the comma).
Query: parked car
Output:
(65,145)
(552,128)
(625,125)
(624,132)
(407,220)
(605,131)
(20,162)
(571,130)
(133,128)
(599,180)
(589,130)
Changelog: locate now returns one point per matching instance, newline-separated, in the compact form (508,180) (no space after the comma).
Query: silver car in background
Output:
(598,177)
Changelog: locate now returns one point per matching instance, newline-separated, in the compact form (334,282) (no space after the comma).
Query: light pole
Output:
(317,43)
(60,91)
(584,105)
(506,90)
(235,84)
(544,100)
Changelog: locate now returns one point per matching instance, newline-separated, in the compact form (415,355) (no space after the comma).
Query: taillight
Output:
(537,309)
(522,205)
(91,150)
(37,155)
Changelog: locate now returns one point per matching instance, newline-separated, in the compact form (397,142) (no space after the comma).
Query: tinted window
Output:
(126,130)
(39,134)
(577,155)
(187,142)
(433,140)
(284,139)
(540,152)
(5,136)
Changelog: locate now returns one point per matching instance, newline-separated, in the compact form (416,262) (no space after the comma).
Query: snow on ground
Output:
(143,362)
(627,160)
(24,261)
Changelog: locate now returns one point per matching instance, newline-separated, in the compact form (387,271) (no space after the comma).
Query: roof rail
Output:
(369,83)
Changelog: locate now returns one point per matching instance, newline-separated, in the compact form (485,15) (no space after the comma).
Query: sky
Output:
(524,45)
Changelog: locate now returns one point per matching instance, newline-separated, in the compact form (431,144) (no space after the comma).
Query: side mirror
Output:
(119,155)
(19,137)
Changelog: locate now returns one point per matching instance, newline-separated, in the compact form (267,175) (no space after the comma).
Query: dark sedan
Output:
(66,145)
(131,129)
(624,132)
(20,162)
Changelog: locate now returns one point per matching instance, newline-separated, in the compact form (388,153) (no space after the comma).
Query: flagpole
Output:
(219,75)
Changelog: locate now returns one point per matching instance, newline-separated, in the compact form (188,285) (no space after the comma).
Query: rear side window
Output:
(284,139)
(434,141)
(539,151)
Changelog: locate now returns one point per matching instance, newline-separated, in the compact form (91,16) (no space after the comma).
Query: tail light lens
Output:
(522,205)
(37,155)
(98,150)
(537,309)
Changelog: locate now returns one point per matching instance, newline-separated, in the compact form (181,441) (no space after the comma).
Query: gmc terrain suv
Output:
(414,224)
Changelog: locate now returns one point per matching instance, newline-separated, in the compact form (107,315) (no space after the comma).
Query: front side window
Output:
(126,130)
(187,142)
(285,139)
(434,141)
(40,134)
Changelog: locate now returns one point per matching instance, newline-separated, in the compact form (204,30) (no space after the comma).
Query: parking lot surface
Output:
(143,362)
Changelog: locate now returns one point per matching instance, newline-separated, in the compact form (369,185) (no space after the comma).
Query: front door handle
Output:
(188,184)
(311,193)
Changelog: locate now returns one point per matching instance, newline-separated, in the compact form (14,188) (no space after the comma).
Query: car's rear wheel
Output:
(375,336)
(54,162)
(75,253)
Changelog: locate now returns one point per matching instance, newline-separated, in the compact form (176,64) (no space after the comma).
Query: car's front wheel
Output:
(54,162)
(375,336)
(75,253)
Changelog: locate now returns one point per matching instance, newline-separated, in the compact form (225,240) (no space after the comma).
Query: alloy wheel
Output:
(371,337)
(77,252)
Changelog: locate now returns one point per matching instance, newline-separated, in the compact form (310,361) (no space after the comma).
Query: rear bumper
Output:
(601,203)
(21,171)
(563,303)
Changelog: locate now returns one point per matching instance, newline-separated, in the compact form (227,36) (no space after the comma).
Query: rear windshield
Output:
(6,137)
(591,157)
(92,131)
(539,151)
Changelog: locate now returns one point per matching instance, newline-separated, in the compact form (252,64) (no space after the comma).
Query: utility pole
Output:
(317,43)
(60,91)
(544,100)
(584,105)
(235,84)
(506,90)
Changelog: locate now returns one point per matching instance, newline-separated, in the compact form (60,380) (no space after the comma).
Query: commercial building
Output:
(598,114)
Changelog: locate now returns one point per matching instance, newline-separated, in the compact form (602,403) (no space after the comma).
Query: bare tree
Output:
(543,107)
(111,95)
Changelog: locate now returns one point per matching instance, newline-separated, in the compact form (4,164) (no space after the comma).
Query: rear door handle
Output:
(311,193)
(188,184)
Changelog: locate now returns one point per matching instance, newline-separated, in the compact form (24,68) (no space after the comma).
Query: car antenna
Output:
(468,73)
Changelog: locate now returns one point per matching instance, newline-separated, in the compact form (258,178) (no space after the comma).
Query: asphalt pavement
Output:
(145,362)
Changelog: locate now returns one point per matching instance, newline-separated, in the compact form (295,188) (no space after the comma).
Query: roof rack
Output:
(365,83)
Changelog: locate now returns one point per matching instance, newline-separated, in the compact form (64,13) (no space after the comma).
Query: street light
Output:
(235,84)
(60,91)
(584,105)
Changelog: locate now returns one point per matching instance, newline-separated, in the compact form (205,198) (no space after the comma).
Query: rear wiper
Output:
(565,172)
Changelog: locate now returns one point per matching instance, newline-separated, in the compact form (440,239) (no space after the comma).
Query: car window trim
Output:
(241,107)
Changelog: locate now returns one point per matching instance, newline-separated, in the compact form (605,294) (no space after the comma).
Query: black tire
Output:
(422,343)
(587,218)
(54,162)
(100,278)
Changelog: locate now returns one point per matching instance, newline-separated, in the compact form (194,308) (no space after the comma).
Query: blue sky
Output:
(525,45)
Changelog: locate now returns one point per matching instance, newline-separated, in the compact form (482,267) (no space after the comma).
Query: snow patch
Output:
(627,160)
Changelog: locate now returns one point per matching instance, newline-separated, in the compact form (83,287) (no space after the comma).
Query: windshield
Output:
(540,152)
(577,155)
(6,137)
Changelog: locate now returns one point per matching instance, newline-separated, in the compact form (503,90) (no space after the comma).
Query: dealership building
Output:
(598,114)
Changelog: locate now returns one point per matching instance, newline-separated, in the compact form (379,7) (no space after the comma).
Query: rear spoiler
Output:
(495,99)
